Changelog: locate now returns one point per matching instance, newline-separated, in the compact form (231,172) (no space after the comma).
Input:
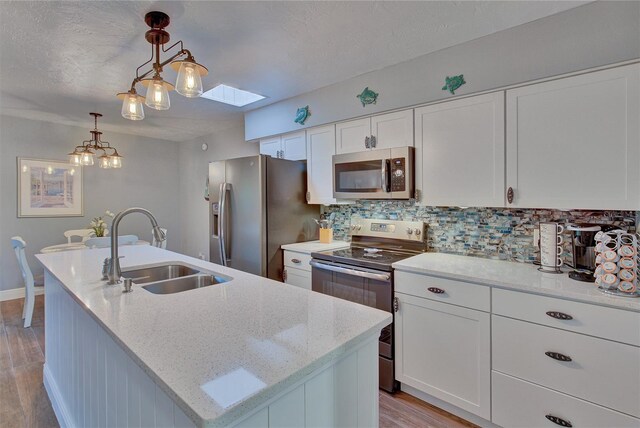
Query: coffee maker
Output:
(583,246)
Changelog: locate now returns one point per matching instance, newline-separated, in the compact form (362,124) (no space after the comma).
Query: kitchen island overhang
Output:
(220,355)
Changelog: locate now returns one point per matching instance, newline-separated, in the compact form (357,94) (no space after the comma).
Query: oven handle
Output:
(363,274)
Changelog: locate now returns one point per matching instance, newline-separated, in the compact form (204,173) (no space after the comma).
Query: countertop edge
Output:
(507,286)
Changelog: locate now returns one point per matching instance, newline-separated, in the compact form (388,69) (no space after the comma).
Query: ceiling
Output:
(61,60)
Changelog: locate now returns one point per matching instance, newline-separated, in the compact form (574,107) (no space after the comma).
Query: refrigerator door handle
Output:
(222,222)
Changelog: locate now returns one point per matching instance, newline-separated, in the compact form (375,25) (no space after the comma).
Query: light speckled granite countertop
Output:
(315,246)
(515,276)
(276,332)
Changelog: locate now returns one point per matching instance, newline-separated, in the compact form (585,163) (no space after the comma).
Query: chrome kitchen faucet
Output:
(114,272)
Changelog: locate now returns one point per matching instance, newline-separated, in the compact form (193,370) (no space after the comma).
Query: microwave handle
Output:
(386,167)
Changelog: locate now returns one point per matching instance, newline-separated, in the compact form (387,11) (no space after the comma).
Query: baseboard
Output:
(17,293)
(55,397)
(448,407)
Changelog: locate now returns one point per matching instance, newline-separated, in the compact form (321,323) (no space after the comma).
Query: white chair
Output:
(19,245)
(104,242)
(83,234)
(164,243)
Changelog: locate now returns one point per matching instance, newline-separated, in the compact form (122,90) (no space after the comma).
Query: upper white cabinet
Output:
(460,152)
(574,142)
(290,146)
(377,132)
(321,146)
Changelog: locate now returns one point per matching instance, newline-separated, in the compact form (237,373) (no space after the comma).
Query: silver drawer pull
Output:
(557,356)
(296,261)
(558,421)
(436,290)
(559,315)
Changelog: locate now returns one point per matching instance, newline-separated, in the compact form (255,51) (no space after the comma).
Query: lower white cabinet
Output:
(298,277)
(520,404)
(444,350)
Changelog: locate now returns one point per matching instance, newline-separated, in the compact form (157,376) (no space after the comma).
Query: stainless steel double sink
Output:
(173,277)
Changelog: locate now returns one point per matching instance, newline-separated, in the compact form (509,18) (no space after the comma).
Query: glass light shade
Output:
(115,161)
(189,82)
(86,158)
(104,161)
(74,158)
(157,95)
(132,107)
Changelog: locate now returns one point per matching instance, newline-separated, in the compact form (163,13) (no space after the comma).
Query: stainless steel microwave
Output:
(374,174)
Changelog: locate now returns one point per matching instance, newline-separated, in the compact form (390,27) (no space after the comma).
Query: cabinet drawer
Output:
(600,371)
(608,323)
(297,260)
(298,277)
(444,290)
(516,403)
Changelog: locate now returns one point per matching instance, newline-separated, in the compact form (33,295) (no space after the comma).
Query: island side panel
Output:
(90,380)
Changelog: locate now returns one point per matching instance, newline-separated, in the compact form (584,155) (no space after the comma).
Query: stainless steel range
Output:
(363,273)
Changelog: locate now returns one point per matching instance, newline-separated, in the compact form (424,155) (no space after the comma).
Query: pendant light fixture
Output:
(84,155)
(188,82)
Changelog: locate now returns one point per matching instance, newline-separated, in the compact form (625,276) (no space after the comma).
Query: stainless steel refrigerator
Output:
(257,204)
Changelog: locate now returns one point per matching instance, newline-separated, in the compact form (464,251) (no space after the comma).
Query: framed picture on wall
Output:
(49,188)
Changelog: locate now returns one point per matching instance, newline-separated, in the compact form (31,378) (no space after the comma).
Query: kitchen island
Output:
(250,352)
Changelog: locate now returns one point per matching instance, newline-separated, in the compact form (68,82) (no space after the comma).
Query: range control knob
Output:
(409,231)
(418,232)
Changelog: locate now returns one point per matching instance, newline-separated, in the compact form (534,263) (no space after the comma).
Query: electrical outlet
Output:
(536,237)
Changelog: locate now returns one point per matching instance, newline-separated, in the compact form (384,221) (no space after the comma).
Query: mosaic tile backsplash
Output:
(497,233)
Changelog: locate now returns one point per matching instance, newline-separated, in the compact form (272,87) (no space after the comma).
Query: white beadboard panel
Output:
(319,404)
(289,411)
(92,382)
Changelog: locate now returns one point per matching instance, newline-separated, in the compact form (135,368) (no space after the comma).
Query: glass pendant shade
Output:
(132,106)
(86,158)
(157,95)
(104,162)
(115,160)
(189,82)
(75,158)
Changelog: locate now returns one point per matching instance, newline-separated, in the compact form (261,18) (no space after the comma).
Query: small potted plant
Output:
(98,224)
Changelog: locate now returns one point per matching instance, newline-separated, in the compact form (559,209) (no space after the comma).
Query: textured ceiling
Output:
(60,60)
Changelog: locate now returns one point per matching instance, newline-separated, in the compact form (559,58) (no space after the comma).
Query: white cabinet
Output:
(271,146)
(444,350)
(321,146)
(376,132)
(353,136)
(288,146)
(297,270)
(575,142)
(460,152)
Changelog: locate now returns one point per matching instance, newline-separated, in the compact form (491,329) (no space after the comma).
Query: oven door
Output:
(360,285)
(364,175)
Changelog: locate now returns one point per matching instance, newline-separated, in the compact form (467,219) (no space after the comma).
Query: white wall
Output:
(149,178)
(194,168)
(595,34)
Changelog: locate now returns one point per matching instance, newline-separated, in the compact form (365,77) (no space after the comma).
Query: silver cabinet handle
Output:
(367,142)
(374,141)
(558,421)
(354,272)
(296,261)
(510,195)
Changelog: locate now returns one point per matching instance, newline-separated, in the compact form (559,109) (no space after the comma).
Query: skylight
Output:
(233,96)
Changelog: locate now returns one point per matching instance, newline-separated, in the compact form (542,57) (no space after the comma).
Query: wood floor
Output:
(24,401)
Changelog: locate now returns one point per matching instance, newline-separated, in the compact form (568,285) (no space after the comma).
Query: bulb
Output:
(115,161)
(132,107)
(189,82)
(104,161)
(72,171)
(157,95)
(86,158)
(49,169)
(74,159)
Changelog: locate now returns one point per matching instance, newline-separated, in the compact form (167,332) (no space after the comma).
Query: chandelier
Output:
(188,82)
(85,154)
